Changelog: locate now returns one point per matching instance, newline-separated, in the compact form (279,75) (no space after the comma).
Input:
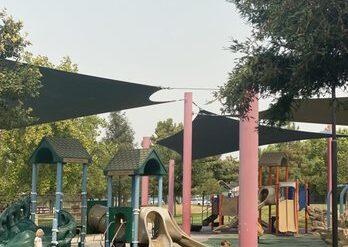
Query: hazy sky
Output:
(179,43)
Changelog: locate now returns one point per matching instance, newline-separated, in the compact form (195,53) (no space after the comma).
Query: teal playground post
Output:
(160,190)
(109,205)
(83,205)
(59,196)
(343,192)
(34,176)
(136,210)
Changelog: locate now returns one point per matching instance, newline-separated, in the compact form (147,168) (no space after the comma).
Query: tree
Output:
(19,82)
(119,136)
(119,132)
(165,129)
(298,49)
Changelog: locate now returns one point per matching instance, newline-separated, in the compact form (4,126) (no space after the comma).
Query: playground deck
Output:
(213,240)
(271,240)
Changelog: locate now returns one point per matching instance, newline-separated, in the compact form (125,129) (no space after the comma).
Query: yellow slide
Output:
(167,231)
(287,216)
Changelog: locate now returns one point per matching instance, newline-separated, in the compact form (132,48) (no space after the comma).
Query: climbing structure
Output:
(60,151)
(282,193)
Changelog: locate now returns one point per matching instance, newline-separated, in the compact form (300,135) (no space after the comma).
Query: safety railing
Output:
(104,234)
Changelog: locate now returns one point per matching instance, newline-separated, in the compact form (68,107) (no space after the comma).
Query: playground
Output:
(74,172)
(284,215)
(280,200)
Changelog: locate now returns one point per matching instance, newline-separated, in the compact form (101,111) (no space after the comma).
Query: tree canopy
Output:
(18,83)
(119,135)
(297,49)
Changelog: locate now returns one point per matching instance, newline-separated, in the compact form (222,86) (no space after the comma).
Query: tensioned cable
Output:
(211,113)
(190,88)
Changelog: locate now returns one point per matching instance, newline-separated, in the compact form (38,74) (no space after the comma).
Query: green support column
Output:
(34,176)
(84,205)
(135,205)
(160,191)
(109,204)
(59,196)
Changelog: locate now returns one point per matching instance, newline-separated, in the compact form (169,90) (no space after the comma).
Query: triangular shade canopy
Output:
(143,162)
(66,95)
(57,149)
(214,135)
(316,111)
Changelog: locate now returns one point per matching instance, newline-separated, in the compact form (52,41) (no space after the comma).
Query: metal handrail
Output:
(113,239)
(103,236)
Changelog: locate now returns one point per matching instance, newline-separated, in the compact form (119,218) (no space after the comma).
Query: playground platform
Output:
(213,240)
(271,240)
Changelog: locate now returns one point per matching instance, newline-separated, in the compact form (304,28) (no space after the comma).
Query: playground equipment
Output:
(60,151)
(156,227)
(223,204)
(150,226)
(321,219)
(167,231)
(17,229)
(288,197)
(343,208)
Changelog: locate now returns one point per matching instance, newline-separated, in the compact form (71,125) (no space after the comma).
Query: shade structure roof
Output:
(316,111)
(214,135)
(66,95)
(58,149)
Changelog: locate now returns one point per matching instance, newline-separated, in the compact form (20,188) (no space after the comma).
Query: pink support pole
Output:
(145,179)
(187,164)
(329,164)
(171,186)
(248,177)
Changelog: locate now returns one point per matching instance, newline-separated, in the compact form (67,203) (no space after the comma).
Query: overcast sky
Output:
(179,43)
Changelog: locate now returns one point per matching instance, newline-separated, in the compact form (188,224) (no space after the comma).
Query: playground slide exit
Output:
(168,231)
(287,216)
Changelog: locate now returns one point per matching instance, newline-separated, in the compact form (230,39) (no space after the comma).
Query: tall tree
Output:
(118,130)
(164,129)
(298,49)
(119,136)
(18,83)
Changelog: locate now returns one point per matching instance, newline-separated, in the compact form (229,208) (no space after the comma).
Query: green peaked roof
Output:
(136,161)
(57,149)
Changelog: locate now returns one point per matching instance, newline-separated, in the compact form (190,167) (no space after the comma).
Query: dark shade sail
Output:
(214,135)
(316,111)
(66,95)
